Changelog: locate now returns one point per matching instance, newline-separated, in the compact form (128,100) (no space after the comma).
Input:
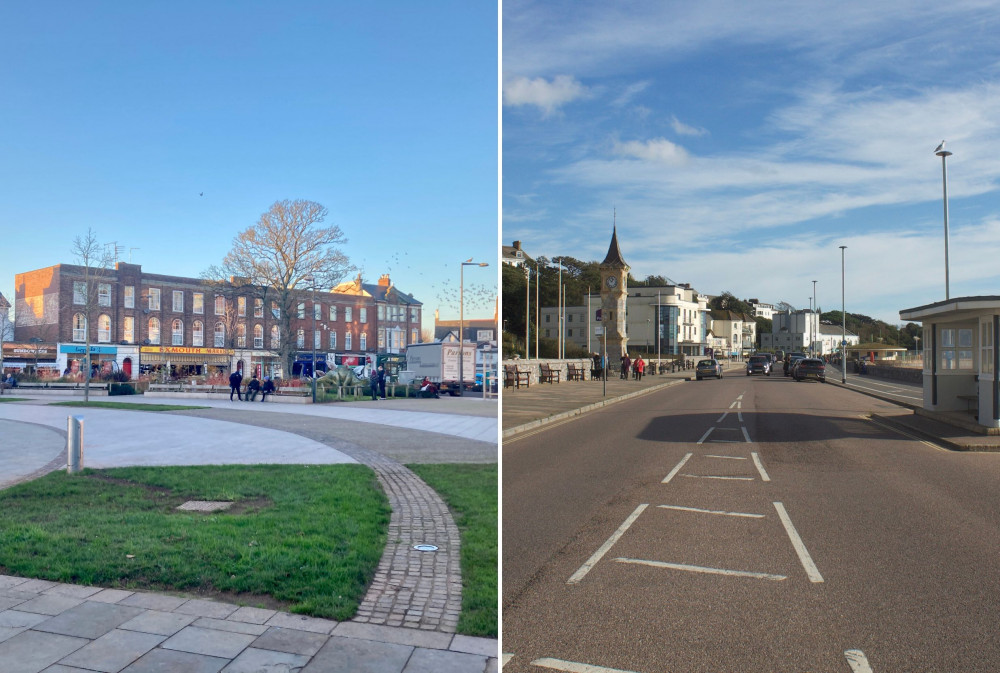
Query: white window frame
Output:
(154,331)
(176,335)
(178,300)
(154,299)
(348,314)
(220,305)
(241,308)
(363,341)
(333,339)
(198,303)
(258,308)
(317,339)
(275,337)
(241,334)
(219,335)
(333,312)
(300,338)
(363,315)
(79,292)
(198,333)
(104,328)
(130,296)
(104,294)
(128,329)
(347,340)
(79,327)
(258,334)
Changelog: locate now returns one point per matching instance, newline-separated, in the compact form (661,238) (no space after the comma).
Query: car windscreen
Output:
(706,363)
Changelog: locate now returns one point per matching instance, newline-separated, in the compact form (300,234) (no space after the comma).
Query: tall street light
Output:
(944,154)
(461,321)
(812,340)
(843,316)
(312,281)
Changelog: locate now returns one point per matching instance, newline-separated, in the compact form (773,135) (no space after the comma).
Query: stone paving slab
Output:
(137,639)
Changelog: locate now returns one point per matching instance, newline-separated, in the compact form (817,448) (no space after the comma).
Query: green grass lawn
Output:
(4,398)
(301,538)
(471,492)
(128,405)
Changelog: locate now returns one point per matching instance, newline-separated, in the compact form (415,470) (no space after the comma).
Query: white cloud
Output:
(547,95)
(682,129)
(630,92)
(658,150)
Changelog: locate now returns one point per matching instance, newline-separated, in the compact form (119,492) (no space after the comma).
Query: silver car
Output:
(708,368)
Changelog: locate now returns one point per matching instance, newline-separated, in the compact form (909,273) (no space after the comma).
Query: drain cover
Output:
(425,547)
(205,505)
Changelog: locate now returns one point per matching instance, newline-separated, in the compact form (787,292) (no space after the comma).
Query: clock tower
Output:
(614,290)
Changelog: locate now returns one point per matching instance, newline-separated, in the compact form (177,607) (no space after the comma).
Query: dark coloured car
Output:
(706,368)
(810,368)
(790,361)
(759,364)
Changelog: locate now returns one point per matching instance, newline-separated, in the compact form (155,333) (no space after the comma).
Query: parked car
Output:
(810,368)
(790,361)
(708,368)
(759,364)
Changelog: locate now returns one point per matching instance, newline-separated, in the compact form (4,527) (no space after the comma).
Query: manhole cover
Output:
(205,505)
(425,547)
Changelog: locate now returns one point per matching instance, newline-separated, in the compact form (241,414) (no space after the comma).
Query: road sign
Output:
(843,343)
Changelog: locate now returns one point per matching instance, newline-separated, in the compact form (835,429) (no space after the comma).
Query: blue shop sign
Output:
(94,350)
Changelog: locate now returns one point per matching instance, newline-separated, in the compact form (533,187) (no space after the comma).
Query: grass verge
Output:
(4,398)
(471,492)
(301,538)
(128,405)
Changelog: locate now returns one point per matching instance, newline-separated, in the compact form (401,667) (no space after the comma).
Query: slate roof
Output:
(614,258)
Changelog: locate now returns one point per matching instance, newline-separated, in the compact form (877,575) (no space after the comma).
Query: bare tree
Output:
(96,261)
(287,245)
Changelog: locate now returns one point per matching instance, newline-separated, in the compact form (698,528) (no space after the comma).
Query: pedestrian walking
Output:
(626,366)
(381,382)
(373,383)
(235,379)
(640,367)
(266,389)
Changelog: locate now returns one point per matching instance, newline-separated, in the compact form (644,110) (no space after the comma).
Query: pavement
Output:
(527,410)
(406,622)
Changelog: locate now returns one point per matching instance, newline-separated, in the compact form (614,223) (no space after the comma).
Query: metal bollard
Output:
(74,444)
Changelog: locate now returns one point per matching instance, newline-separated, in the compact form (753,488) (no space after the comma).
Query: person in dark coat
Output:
(373,383)
(235,379)
(267,389)
(381,382)
(252,389)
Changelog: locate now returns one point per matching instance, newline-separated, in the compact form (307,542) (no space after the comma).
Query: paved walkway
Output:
(417,590)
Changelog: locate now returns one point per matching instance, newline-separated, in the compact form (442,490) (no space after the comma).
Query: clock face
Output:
(611,282)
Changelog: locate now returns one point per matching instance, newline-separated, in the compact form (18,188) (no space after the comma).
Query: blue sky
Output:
(743,142)
(116,116)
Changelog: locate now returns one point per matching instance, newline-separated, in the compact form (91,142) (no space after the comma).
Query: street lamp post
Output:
(944,154)
(843,317)
(812,339)
(312,281)
(461,321)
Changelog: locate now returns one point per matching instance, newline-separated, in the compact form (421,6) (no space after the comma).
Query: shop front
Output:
(71,360)
(33,359)
(171,362)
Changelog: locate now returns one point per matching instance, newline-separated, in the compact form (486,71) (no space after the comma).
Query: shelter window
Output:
(986,343)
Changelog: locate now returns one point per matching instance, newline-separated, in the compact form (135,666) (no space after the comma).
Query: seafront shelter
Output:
(961,343)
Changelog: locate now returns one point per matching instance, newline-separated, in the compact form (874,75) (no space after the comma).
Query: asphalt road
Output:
(747,524)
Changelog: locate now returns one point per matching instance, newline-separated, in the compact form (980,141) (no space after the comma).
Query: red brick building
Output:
(191,325)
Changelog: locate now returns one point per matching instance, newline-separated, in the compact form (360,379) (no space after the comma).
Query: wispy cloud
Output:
(658,150)
(547,95)
(682,129)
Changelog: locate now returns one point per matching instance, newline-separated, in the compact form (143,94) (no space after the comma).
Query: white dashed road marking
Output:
(858,661)
(710,476)
(710,511)
(573,667)
(677,468)
(702,569)
(811,570)
(760,466)
(599,554)
(728,457)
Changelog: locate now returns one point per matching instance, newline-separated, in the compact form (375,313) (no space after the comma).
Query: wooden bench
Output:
(546,374)
(574,372)
(514,376)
